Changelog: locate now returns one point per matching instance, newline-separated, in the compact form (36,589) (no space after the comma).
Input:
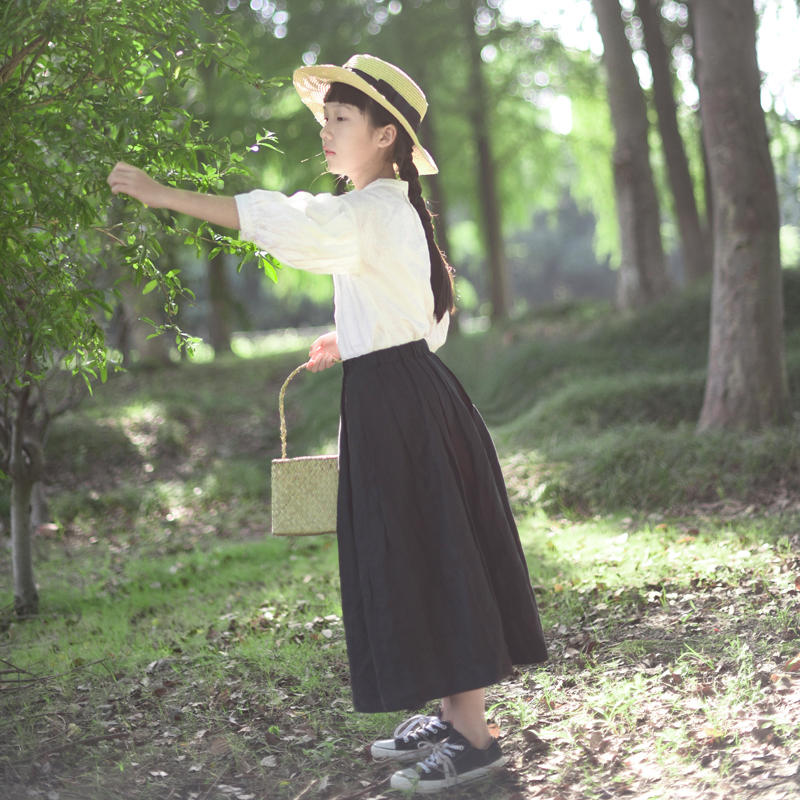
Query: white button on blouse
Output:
(372,242)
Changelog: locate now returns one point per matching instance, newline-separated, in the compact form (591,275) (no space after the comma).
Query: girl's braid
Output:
(441,272)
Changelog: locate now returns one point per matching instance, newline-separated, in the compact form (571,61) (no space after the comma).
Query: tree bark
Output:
(746,386)
(696,258)
(25,468)
(479,115)
(642,273)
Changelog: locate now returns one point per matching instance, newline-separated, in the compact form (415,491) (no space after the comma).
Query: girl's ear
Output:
(388,136)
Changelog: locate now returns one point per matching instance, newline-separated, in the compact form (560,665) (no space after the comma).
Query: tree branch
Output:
(35,58)
(8,67)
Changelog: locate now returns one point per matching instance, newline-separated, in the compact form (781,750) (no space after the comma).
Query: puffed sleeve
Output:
(438,333)
(315,233)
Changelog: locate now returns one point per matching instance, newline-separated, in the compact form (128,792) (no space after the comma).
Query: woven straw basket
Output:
(304,489)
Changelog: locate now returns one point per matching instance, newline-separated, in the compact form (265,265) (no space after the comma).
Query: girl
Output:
(436,597)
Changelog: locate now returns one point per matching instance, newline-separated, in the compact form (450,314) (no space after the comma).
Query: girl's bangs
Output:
(347,94)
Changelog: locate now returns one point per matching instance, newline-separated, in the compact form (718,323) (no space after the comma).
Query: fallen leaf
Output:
(596,740)
(159,773)
(793,664)
(766,735)
(269,762)
(219,747)
(537,745)
(640,764)
(711,735)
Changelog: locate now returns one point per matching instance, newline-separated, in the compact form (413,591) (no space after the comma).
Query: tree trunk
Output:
(479,115)
(696,259)
(25,467)
(642,274)
(746,386)
(219,335)
(40,508)
(708,222)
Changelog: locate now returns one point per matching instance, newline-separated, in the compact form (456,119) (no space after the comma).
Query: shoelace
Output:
(441,758)
(417,726)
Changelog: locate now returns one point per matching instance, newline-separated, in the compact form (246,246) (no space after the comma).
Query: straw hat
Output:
(383,82)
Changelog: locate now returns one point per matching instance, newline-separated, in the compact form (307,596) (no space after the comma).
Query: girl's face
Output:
(353,147)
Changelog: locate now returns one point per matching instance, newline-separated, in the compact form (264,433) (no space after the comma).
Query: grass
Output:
(181,652)
(227,658)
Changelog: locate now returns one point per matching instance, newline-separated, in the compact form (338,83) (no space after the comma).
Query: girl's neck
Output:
(385,170)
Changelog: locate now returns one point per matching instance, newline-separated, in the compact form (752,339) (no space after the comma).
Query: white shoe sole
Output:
(409,779)
(401,756)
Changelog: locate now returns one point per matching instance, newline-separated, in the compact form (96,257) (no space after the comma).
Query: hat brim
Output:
(312,85)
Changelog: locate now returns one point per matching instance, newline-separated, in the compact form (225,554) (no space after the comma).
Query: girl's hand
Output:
(324,353)
(137,184)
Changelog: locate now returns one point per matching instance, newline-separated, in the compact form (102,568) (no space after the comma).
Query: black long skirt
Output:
(436,596)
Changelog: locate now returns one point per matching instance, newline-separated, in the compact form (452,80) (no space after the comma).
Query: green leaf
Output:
(149,287)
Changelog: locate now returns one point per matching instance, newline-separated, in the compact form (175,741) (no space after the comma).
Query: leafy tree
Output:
(82,85)
(746,385)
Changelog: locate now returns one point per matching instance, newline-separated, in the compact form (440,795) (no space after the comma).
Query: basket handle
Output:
(280,405)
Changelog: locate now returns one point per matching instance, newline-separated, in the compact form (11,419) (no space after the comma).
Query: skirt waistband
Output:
(418,349)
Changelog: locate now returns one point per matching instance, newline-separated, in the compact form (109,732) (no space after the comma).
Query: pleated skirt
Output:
(436,595)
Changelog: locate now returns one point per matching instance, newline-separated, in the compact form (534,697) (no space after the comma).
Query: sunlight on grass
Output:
(613,552)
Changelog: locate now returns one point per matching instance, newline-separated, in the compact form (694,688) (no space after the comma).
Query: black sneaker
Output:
(452,762)
(413,740)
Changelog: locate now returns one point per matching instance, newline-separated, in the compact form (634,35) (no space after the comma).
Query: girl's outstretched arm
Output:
(137,184)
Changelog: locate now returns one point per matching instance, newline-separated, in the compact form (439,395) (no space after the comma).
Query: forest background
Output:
(629,304)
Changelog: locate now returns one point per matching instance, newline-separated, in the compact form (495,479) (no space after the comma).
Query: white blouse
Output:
(372,242)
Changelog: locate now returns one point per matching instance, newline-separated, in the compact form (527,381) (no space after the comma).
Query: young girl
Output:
(436,598)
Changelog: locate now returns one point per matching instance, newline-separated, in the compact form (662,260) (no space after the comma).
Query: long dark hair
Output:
(441,272)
